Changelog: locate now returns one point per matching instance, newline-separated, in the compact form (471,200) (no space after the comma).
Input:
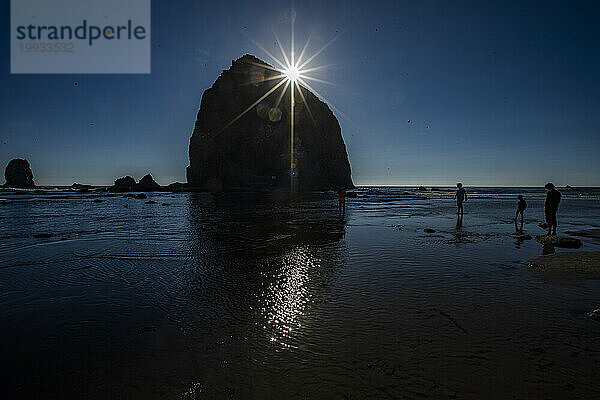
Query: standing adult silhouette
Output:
(551,207)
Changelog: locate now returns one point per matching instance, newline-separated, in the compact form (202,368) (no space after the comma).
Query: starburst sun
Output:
(292,73)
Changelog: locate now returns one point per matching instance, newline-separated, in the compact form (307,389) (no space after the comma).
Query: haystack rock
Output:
(252,151)
(18,174)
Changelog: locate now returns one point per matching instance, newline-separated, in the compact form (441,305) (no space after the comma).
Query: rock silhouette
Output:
(147,183)
(128,184)
(253,151)
(18,174)
(124,184)
(559,241)
(177,187)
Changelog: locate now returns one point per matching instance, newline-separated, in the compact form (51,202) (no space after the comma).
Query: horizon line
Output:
(371,185)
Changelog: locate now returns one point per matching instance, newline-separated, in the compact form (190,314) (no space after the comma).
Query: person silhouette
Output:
(551,207)
(521,206)
(342,201)
(460,196)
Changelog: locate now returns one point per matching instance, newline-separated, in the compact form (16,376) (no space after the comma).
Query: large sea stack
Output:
(252,151)
(18,174)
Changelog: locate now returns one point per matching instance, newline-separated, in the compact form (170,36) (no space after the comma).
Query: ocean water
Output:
(245,296)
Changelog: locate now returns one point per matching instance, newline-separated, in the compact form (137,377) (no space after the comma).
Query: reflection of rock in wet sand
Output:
(566,266)
(256,223)
(261,262)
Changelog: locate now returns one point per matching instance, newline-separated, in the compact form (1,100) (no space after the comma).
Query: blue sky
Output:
(497,94)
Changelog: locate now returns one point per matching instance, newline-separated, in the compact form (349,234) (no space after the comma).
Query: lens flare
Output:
(275,114)
(292,73)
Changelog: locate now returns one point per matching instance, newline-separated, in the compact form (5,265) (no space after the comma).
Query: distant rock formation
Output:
(18,174)
(253,151)
(178,187)
(128,184)
(124,184)
(147,183)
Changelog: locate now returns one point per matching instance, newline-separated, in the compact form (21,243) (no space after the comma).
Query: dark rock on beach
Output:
(429,230)
(460,234)
(567,265)
(237,144)
(589,233)
(141,196)
(128,184)
(421,189)
(42,235)
(351,195)
(559,241)
(124,184)
(178,187)
(148,184)
(18,174)
(97,200)
(150,202)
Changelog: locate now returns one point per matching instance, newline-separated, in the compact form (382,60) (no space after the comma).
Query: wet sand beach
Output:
(251,296)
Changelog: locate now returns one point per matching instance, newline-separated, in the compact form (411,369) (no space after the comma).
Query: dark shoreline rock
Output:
(252,151)
(124,184)
(128,184)
(566,266)
(42,235)
(18,174)
(148,184)
(588,233)
(559,241)
(178,187)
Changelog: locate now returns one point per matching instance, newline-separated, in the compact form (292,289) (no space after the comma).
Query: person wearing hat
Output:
(551,207)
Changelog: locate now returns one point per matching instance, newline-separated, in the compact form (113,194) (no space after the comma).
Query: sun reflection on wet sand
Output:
(286,297)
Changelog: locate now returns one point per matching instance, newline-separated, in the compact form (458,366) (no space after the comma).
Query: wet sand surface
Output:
(246,296)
